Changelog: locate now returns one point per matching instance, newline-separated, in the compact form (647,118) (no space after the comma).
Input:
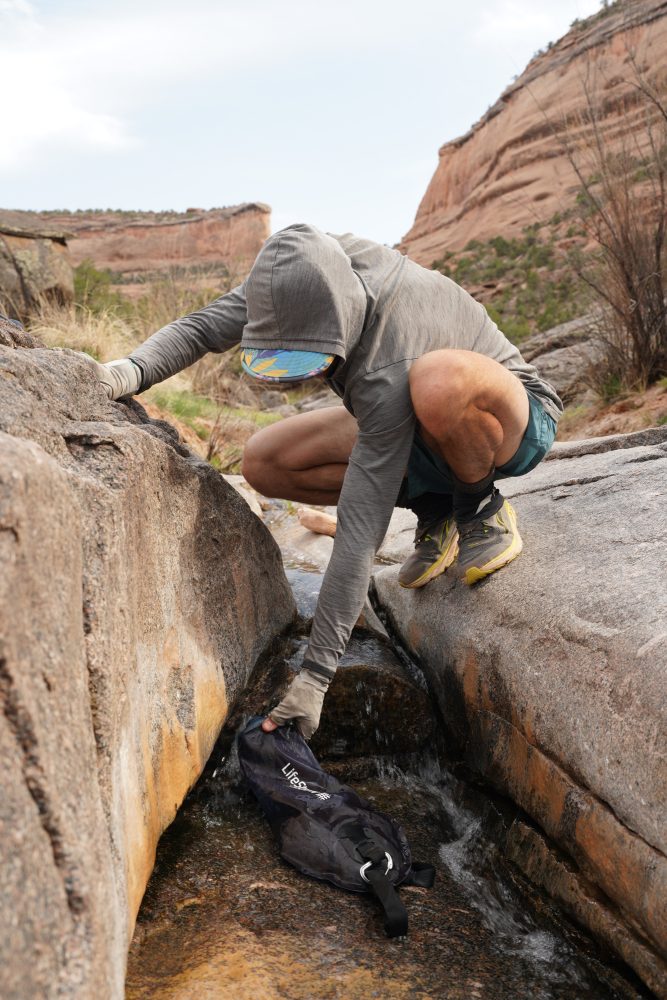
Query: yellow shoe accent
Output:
(477,573)
(438,567)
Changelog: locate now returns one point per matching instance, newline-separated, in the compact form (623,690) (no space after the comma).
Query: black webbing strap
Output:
(421,875)
(395,914)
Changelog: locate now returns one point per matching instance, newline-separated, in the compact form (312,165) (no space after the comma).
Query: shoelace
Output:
(423,532)
(474,530)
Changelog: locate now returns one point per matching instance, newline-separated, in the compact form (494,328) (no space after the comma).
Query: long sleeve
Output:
(216,327)
(372,483)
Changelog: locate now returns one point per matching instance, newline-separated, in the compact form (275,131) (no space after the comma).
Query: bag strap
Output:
(421,875)
(395,914)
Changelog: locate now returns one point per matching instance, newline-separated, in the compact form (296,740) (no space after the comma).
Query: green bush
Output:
(93,290)
(534,295)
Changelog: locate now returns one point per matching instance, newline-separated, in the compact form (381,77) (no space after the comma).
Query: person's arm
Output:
(216,327)
(372,483)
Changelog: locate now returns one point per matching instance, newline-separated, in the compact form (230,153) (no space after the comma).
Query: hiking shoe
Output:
(487,543)
(435,550)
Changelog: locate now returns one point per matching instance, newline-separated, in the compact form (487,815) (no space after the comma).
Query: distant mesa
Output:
(140,247)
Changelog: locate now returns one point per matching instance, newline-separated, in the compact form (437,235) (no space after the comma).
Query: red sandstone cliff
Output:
(147,244)
(510,169)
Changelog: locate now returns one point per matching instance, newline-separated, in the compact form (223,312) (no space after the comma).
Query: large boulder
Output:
(565,355)
(35,268)
(551,677)
(137,592)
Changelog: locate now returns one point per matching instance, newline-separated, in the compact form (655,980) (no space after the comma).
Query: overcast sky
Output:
(332,112)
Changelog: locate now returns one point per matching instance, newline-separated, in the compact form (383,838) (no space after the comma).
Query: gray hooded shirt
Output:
(378,312)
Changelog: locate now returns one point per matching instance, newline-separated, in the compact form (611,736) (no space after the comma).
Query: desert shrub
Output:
(94,292)
(624,218)
(521,287)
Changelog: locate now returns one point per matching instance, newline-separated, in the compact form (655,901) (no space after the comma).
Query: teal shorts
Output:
(428,473)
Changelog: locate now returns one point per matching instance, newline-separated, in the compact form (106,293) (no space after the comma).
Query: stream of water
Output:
(224,917)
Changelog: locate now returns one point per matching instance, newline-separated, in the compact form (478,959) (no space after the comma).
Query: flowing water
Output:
(223,916)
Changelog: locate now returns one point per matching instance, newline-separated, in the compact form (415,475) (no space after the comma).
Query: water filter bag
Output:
(323,827)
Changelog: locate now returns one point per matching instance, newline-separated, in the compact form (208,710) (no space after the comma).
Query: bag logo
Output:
(292,775)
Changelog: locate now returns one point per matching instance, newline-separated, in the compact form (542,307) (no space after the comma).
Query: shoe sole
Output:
(438,567)
(477,573)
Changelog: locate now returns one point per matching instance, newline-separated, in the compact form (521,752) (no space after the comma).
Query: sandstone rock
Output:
(564,355)
(244,490)
(552,674)
(299,546)
(271,399)
(137,591)
(34,267)
(317,520)
(152,243)
(569,334)
(566,368)
(546,868)
(599,445)
(510,169)
(321,398)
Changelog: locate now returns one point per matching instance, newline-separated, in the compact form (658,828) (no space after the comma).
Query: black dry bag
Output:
(324,829)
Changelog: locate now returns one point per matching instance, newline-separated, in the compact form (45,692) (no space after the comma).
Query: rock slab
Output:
(137,592)
(551,675)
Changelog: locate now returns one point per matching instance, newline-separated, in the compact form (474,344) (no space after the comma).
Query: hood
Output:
(302,295)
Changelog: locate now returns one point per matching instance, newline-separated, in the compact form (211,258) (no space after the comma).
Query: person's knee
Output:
(259,463)
(441,385)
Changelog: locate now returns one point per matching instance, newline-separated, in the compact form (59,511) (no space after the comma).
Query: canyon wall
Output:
(511,169)
(139,246)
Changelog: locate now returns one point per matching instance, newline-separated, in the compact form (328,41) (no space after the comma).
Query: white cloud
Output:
(41,111)
(86,73)
(16,7)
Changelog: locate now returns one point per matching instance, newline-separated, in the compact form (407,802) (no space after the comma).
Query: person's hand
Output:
(302,704)
(118,378)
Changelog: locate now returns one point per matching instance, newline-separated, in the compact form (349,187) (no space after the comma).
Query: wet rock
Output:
(224,916)
(550,871)
(552,674)
(137,591)
(373,707)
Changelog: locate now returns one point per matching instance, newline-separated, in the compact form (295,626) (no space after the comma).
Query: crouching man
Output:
(439,406)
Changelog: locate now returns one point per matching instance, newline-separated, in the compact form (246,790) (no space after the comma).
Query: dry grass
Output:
(105,335)
(214,408)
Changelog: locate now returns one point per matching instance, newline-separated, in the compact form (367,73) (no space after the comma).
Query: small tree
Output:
(622,208)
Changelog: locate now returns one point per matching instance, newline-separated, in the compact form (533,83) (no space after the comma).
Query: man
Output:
(438,406)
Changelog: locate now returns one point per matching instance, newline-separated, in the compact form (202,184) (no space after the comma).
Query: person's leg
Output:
(473,413)
(302,458)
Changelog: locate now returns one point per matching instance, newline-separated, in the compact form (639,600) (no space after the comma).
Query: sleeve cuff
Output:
(317,668)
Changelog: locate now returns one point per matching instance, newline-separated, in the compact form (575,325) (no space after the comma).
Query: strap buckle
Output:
(390,865)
